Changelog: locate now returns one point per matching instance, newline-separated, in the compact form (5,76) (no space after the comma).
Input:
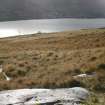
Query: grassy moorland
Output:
(53,60)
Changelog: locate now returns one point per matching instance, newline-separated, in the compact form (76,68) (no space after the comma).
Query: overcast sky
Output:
(39,9)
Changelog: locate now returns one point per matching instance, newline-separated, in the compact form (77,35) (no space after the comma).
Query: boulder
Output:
(66,96)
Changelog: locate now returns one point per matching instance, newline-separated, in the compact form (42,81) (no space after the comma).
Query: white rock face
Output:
(1,69)
(4,74)
(85,75)
(6,77)
(69,96)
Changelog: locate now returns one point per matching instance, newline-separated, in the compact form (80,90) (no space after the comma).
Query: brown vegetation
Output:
(51,60)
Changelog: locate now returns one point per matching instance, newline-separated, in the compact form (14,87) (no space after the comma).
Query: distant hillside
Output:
(41,9)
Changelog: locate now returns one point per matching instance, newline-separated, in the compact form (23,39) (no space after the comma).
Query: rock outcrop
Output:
(68,96)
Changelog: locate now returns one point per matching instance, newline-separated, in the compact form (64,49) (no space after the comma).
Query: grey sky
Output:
(39,9)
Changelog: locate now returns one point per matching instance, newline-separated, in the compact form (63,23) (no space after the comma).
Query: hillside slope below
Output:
(53,60)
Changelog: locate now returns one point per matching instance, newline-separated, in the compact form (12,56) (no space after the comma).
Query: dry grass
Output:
(51,60)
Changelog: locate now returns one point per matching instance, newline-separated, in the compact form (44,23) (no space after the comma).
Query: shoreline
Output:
(50,19)
(51,34)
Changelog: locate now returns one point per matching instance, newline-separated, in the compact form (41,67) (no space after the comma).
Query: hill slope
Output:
(52,60)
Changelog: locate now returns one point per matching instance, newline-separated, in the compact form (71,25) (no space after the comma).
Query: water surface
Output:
(13,28)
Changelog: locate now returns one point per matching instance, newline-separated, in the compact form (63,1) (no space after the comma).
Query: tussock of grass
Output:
(95,99)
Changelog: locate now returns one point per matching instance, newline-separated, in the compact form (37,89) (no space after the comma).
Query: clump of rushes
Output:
(21,72)
(1,62)
(101,66)
(15,71)
(95,99)
(8,68)
(21,63)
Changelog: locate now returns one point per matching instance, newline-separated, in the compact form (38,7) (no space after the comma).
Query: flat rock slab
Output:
(43,96)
